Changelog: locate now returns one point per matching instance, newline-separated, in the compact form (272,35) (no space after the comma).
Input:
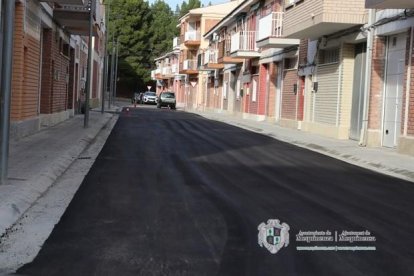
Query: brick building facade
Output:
(320,75)
(47,67)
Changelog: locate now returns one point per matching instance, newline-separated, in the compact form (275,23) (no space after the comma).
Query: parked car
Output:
(166,99)
(149,97)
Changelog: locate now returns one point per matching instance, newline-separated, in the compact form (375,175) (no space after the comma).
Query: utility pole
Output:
(105,72)
(6,77)
(88,73)
(111,85)
(116,66)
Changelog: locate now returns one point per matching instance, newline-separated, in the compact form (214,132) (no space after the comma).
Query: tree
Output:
(144,32)
(163,28)
(186,7)
(129,22)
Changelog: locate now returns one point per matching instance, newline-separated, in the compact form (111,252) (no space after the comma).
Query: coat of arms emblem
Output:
(273,235)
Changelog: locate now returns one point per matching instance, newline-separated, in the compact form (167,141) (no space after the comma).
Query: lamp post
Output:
(5,78)
(111,84)
(105,72)
(116,66)
(88,74)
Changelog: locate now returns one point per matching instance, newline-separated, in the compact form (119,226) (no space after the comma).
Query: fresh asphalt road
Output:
(172,193)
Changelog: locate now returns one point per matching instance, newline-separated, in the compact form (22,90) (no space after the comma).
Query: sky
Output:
(173,3)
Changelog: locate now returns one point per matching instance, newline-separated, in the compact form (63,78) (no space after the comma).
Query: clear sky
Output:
(173,3)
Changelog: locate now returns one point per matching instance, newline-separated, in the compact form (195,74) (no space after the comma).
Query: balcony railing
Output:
(243,41)
(75,18)
(74,8)
(317,18)
(206,57)
(70,2)
(174,68)
(224,48)
(176,42)
(190,64)
(212,55)
(192,36)
(166,70)
(270,25)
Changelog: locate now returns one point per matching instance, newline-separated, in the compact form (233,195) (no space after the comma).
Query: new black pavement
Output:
(173,193)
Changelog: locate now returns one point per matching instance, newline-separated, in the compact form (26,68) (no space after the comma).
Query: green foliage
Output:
(144,32)
(186,7)
(163,28)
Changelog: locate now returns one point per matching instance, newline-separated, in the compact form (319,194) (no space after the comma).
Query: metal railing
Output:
(206,58)
(213,55)
(270,25)
(176,42)
(174,68)
(192,36)
(190,64)
(243,41)
(166,70)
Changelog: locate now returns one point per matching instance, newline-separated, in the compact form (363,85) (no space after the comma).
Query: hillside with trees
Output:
(144,32)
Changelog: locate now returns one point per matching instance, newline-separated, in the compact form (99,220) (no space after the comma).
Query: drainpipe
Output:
(367,89)
(407,93)
(6,77)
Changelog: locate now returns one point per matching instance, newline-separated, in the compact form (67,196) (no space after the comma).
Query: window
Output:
(290,63)
(329,56)
(225,87)
(254,70)
(65,49)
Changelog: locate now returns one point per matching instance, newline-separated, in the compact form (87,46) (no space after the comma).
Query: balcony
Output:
(166,72)
(316,18)
(66,2)
(389,4)
(211,60)
(202,61)
(176,43)
(74,18)
(207,60)
(174,69)
(224,54)
(192,38)
(270,32)
(243,45)
(158,74)
(189,66)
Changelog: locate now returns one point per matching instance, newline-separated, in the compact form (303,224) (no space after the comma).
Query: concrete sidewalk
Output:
(36,162)
(382,160)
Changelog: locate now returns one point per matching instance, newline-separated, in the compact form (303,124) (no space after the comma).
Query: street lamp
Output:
(88,74)
(5,78)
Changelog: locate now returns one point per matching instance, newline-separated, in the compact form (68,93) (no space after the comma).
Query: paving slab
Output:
(38,160)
